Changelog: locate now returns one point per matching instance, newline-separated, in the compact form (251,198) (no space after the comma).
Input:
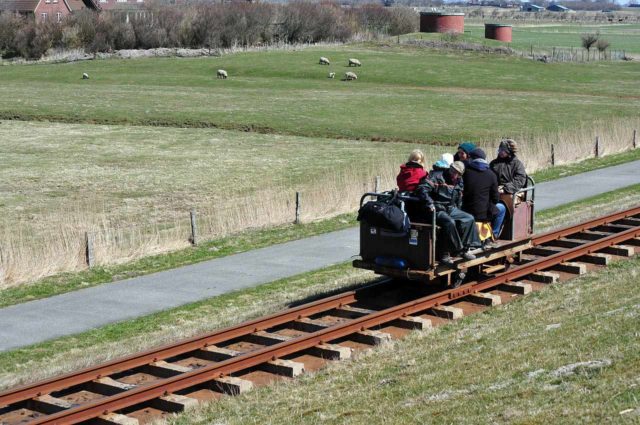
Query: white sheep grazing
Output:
(354,62)
(85,76)
(350,76)
(324,61)
(332,75)
(222,74)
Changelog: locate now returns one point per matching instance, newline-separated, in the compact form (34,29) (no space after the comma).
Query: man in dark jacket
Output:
(510,170)
(481,196)
(441,193)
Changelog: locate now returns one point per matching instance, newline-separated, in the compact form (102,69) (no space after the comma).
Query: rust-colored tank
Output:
(442,22)
(498,32)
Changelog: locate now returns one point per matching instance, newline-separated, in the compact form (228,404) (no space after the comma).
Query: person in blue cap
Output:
(464,149)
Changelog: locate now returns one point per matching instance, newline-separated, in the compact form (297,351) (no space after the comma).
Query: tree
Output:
(602,45)
(588,40)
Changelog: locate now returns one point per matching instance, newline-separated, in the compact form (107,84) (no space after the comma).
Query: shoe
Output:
(466,255)
(446,259)
(490,245)
(458,278)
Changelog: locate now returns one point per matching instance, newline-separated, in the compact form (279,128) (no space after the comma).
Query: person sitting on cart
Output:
(441,194)
(464,150)
(511,178)
(510,170)
(412,172)
(481,198)
(443,163)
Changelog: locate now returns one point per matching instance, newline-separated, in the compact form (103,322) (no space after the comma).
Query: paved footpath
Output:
(78,311)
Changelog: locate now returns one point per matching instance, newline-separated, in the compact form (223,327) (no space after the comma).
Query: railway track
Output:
(144,386)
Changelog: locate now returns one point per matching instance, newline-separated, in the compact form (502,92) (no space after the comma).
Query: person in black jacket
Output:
(481,197)
(510,170)
(441,193)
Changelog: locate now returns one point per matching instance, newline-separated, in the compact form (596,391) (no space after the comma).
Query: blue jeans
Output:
(496,223)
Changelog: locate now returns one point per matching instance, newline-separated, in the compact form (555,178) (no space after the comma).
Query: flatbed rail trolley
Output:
(413,255)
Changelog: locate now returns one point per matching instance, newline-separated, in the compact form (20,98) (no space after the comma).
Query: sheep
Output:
(222,74)
(324,61)
(332,75)
(354,62)
(85,76)
(350,76)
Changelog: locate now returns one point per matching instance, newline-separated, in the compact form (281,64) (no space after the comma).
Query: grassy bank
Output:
(569,354)
(403,93)
(119,339)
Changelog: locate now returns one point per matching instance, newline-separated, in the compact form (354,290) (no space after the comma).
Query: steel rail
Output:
(140,359)
(566,231)
(245,361)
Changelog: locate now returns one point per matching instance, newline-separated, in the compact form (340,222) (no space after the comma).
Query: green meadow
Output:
(402,93)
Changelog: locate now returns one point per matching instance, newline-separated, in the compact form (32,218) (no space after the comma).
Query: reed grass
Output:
(132,223)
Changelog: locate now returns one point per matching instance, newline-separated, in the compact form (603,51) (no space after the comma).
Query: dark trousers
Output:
(458,230)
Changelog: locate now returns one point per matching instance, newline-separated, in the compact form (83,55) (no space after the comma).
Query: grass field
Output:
(402,93)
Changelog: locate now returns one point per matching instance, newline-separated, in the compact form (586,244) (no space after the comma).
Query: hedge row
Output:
(201,25)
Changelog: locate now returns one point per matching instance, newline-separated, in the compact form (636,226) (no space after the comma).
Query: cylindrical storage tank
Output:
(442,22)
(498,32)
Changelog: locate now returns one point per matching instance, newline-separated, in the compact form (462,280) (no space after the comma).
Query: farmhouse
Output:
(45,10)
(558,8)
(528,7)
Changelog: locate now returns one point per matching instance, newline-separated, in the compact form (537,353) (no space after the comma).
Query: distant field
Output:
(402,93)
(621,37)
(546,36)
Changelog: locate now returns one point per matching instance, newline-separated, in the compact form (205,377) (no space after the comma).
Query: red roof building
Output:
(46,10)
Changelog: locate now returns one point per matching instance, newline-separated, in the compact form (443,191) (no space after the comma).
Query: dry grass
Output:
(132,187)
(577,143)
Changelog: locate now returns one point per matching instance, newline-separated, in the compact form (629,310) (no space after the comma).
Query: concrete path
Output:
(78,311)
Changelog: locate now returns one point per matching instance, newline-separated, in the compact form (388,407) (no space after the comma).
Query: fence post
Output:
(553,155)
(376,186)
(597,146)
(194,228)
(89,253)
(297,220)
(635,138)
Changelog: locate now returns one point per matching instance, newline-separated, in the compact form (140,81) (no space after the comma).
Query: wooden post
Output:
(194,228)
(635,138)
(597,146)
(553,155)
(89,253)
(297,221)
(532,50)
(376,186)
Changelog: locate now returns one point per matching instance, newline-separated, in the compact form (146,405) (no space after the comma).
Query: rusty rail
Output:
(140,359)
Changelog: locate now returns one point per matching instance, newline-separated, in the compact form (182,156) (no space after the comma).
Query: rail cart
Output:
(413,254)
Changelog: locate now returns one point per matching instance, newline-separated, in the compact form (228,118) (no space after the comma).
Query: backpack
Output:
(385,214)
